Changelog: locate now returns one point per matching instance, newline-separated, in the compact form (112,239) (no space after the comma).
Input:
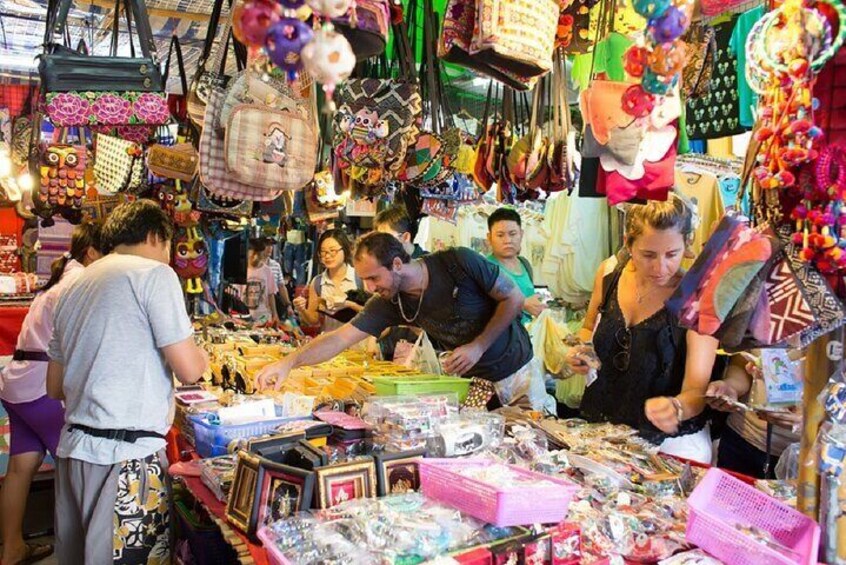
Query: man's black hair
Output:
(130,224)
(398,219)
(504,214)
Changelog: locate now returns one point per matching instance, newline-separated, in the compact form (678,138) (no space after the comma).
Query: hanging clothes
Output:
(703,190)
(579,241)
(717,114)
(747,99)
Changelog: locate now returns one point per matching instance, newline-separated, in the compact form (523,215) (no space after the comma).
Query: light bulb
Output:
(25,182)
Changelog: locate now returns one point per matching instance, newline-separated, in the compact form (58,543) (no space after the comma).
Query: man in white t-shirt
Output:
(121,332)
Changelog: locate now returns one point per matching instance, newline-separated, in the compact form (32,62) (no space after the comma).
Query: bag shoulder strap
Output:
(450,260)
(527,266)
(609,281)
(180,64)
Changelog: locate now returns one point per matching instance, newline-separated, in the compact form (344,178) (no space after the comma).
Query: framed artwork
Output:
(398,473)
(283,490)
(242,497)
(348,481)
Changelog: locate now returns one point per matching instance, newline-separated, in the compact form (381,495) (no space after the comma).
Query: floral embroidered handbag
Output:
(83,90)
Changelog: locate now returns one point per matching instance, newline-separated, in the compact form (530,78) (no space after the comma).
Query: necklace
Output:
(419,303)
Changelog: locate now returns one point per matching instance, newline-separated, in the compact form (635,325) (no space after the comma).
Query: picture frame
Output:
(241,503)
(398,473)
(282,491)
(347,481)
(263,491)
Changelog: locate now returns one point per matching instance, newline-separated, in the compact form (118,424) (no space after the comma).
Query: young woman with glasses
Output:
(653,375)
(327,292)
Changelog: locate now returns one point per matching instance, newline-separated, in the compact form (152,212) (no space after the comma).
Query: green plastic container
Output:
(404,386)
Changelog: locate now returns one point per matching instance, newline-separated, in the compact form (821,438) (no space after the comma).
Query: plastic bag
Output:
(787,467)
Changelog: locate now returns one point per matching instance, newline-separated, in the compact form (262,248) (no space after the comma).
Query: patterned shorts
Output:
(141,519)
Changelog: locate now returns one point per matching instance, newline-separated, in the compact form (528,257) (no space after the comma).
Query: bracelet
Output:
(679,408)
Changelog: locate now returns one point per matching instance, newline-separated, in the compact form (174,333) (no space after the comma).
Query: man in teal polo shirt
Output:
(505,234)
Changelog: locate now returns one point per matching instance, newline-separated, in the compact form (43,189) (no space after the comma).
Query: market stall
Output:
(636,235)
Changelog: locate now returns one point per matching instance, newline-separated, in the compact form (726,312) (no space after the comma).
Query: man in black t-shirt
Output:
(463,302)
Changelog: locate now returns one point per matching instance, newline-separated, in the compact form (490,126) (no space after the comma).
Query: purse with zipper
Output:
(107,91)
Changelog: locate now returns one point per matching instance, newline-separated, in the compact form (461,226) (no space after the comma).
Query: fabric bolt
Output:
(333,294)
(104,386)
(115,513)
(25,381)
(747,99)
(703,190)
(608,58)
(34,426)
(455,308)
(717,113)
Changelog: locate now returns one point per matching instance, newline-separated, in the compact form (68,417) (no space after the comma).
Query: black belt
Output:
(21,355)
(120,435)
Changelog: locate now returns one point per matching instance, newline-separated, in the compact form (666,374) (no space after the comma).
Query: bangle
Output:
(679,408)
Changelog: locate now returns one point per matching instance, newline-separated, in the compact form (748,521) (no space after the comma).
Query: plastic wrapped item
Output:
(467,434)
(787,468)
(405,423)
(395,529)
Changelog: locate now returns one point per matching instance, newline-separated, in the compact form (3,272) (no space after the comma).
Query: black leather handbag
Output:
(63,69)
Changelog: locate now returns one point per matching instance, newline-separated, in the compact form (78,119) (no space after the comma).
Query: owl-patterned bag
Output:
(376,124)
(62,183)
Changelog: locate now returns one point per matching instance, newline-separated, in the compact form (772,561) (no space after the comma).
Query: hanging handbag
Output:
(118,165)
(83,90)
(65,70)
(221,205)
(518,35)
(366,27)
(177,162)
(62,180)
(270,149)
(454,46)
(701,48)
(176,103)
(211,68)
(377,121)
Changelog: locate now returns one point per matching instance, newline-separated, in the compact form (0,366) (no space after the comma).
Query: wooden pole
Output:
(818,368)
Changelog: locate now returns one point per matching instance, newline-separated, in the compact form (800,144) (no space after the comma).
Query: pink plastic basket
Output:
(268,540)
(721,502)
(541,503)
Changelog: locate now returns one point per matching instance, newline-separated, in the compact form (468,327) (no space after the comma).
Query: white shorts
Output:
(695,447)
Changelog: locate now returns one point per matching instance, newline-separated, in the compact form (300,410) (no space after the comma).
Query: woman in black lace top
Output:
(653,374)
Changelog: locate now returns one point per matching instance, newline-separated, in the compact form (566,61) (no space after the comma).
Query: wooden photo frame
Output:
(398,473)
(282,491)
(241,503)
(348,481)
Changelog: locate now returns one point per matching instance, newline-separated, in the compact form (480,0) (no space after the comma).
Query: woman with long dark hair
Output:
(35,420)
